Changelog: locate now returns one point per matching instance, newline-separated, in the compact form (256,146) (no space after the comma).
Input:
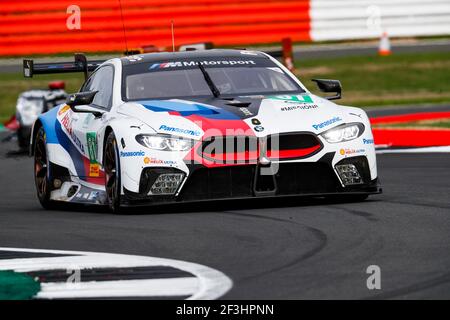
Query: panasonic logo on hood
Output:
(180,130)
(326,123)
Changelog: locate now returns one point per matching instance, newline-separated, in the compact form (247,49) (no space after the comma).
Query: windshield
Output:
(184,78)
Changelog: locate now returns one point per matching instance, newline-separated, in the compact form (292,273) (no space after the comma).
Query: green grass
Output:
(366,80)
(377,81)
(17,286)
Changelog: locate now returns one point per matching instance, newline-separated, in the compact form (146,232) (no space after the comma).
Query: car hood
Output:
(250,115)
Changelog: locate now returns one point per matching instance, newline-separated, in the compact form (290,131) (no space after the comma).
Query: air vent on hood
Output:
(239,104)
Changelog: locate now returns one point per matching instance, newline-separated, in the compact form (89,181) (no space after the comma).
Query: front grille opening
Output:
(292,146)
(246,149)
(240,181)
(232,149)
(217,183)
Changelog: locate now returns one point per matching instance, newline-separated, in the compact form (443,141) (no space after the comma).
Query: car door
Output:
(88,126)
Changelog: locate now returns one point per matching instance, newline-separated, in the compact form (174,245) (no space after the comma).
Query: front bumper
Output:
(310,179)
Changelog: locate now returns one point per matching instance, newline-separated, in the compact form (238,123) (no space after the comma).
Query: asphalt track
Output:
(277,249)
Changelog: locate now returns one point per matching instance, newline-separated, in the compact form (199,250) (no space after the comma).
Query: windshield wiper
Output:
(209,81)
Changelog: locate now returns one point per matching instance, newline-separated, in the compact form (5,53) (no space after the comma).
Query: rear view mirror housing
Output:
(328,85)
(83,99)
(80,98)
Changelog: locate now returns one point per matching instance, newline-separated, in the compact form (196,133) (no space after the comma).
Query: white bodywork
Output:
(127,119)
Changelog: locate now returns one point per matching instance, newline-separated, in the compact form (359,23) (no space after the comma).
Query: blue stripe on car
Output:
(187,109)
(75,154)
(55,134)
(49,121)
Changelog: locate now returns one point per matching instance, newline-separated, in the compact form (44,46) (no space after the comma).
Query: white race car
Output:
(32,103)
(198,125)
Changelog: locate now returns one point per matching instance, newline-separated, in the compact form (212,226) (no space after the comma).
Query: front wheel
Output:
(111,165)
(41,174)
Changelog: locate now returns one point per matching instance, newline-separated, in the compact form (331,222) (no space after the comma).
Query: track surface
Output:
(284,249)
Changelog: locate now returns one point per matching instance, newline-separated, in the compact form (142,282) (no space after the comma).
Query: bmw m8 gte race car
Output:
(197,125)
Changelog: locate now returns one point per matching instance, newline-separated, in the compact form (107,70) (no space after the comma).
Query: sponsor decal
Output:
(179,130)
(351,151)
(259,128)
(94,170)
(181,64)
(89,196)
(300,107)
(150,160)
(91,141)
(132,154)
(326,123)
(368,141)
(293,99)
(66,122)
(63,110)
(246,111)
(256,122)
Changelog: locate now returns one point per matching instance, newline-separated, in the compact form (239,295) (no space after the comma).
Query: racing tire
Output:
(41,172)
(111,165)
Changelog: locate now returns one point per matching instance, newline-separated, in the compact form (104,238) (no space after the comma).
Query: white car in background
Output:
(32,103)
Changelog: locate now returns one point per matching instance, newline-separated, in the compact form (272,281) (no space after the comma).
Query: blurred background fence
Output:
(40,27)
(363,19)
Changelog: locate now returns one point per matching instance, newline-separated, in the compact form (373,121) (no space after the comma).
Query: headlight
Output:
(165,143)
(344,133)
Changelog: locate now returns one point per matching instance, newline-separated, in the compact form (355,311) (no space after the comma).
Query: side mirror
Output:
(326,85)
(83,99)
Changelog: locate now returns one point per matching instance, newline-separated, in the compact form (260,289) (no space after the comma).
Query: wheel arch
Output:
(111,127)
(36,126)
(108,130)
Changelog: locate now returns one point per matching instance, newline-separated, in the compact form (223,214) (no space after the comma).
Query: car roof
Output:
(213,53)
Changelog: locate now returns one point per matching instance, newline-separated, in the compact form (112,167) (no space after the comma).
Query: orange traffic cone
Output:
(384,48)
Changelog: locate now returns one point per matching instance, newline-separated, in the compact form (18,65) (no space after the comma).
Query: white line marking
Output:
(121,288)
(212,284)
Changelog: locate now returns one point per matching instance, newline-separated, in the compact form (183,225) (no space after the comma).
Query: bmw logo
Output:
(259,128)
